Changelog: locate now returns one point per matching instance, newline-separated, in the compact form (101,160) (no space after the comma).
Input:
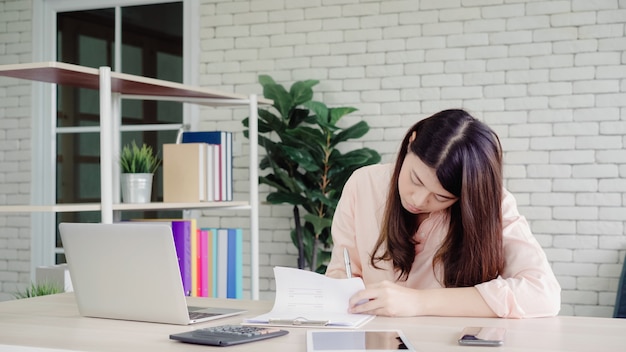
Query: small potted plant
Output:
(138,166)
(38,289)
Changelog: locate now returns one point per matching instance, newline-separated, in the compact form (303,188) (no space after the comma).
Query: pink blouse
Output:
(526,287)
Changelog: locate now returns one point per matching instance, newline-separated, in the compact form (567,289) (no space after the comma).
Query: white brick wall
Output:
(15,122)
(548,76)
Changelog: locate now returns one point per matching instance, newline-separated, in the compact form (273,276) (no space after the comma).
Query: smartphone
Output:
(482,336)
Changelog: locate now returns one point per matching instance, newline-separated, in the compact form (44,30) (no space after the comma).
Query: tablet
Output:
(357,340)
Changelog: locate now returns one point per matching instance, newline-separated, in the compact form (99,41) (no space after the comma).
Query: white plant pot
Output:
(136,188)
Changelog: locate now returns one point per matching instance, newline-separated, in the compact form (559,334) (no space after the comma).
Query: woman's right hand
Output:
(386,298)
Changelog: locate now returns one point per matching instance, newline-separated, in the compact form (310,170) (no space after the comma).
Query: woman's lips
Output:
(413,209)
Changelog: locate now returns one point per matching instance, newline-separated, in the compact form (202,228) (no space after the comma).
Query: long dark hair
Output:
(467,157)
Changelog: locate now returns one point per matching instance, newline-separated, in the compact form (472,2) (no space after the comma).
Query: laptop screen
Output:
(126,271)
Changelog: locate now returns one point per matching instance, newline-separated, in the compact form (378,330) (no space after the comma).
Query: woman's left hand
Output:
(386,298)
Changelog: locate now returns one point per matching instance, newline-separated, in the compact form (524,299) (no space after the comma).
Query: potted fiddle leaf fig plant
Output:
(138,165)
(306,162)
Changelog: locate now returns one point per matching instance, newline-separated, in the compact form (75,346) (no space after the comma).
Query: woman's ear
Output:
(412,138)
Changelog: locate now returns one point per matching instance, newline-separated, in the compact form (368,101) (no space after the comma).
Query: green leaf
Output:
(313,146)
(355,131)
(319,224)
(262,126)
(318,196)
(292,182)
(320,110)
(266,80)
(269,122)
(276,158)
(302,157)
(137,160)
(39,289)
(272,182)
(307,135)
(283,197)
(280,96)
(357,157)
(323,256)
(297,116)
(301,91)
(264,163)
(337,113)
(267,143)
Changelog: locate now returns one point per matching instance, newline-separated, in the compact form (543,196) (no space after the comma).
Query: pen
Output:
(346,260)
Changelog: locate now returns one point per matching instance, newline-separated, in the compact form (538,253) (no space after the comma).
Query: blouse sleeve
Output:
(527,286)
(356,221)
(343,233)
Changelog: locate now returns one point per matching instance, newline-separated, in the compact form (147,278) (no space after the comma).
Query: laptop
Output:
(130,271)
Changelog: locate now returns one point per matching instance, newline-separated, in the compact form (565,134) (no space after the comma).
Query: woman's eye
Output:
(443,199)
(440,199)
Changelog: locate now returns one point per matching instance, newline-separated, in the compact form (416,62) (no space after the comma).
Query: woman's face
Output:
(419,188)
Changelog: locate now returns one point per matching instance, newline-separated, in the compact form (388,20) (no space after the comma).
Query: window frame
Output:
(43,131)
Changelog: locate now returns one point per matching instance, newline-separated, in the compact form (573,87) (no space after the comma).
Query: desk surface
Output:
(53,322)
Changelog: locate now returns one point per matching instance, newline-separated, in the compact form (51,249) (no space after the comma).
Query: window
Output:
(149,41)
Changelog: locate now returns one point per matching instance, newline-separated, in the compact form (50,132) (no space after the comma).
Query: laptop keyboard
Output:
(201,315)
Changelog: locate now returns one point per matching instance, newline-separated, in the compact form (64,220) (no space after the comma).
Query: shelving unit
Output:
(115,86)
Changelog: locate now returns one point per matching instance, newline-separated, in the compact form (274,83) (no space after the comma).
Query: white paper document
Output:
(305,298)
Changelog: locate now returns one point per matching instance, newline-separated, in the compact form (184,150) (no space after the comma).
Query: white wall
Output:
(548,76)
(15,139)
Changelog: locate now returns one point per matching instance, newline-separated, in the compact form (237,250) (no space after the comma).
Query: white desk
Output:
(53,322)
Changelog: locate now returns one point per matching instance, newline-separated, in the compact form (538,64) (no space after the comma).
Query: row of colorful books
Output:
(210,259)
(199,169)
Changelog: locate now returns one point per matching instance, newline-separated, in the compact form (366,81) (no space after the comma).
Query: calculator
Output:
(228,335)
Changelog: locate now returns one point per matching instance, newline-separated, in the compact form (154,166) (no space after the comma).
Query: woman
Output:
(437,234)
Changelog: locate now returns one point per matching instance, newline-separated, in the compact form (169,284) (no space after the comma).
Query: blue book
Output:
(239,267)
(225,141)
(235,266)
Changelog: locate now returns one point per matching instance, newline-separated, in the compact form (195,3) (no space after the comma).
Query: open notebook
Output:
(308,299)
(129,271)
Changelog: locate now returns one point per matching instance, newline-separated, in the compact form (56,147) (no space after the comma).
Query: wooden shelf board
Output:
(77,207)
(181,206)
(87,77)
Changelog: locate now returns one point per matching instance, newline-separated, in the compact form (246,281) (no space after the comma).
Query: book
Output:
(229,167)
(222,263)
(195,257)
(210,266)
(225,174)
(234,279)
(212,178)
(184,168)
(306,298)
(181,230)
(239,267)
(213,263)
(203,265)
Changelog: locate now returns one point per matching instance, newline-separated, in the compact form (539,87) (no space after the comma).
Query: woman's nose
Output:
(420,197)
